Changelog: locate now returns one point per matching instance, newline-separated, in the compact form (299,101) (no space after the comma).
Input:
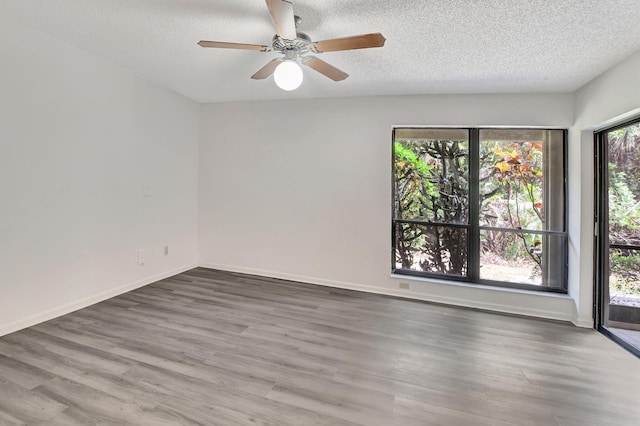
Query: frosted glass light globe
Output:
(288,75)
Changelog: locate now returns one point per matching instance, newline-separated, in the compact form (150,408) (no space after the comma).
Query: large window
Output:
(480,205)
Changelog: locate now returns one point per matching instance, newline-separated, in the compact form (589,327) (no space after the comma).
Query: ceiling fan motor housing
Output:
(301,45)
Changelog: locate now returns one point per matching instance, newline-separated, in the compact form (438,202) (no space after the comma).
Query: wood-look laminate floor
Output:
(215,348)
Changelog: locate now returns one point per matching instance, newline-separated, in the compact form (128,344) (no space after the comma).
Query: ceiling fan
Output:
(298,48)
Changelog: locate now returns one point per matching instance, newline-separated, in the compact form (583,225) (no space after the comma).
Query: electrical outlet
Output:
(404,286)
(166,250)
(140,255)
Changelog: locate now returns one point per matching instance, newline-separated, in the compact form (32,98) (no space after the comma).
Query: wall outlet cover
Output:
(140,257)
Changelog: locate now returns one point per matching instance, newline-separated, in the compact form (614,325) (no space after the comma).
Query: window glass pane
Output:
(522,179)
(434,249)
(624,185)
(431,175)
(624,221)
(624,276)
(521,257)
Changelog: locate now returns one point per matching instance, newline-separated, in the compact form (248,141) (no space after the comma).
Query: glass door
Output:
(618,234)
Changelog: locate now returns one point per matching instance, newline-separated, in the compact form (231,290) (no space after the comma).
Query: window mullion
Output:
(473,254)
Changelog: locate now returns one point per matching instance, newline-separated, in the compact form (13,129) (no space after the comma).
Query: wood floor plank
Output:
(27,406)
(431,414)
(8,420)
(211,347)
(21,374)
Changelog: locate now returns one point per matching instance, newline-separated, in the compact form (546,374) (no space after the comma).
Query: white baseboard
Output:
(88,301)
(467,303)
(581,322)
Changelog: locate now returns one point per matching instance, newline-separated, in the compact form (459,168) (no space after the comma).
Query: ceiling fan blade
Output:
(324,68)
(267,70)
(227,45)
(283,19)
(363,41)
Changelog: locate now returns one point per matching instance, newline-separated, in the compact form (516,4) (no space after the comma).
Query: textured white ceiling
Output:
(433,46)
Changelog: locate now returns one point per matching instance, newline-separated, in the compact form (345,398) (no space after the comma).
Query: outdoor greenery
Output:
(432,185)
(431,181)
(624,208)
(511,181)
(432,207)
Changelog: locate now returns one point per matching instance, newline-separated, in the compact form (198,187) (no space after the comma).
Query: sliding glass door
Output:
(618,233)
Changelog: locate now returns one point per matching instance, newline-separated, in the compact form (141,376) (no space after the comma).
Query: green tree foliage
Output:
(411,185)
(431,185)
(624,208)
(512,180)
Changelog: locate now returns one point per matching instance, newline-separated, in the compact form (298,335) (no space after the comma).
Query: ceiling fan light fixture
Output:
(288,75)
(297,48)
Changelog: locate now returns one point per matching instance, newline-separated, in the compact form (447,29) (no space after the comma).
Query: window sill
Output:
(463,284)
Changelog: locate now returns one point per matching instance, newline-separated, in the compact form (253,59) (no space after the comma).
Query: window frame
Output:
(601,224)
(473,225)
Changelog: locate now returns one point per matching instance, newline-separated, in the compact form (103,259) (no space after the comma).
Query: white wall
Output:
(95,164)
(302,189)
(610,98)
